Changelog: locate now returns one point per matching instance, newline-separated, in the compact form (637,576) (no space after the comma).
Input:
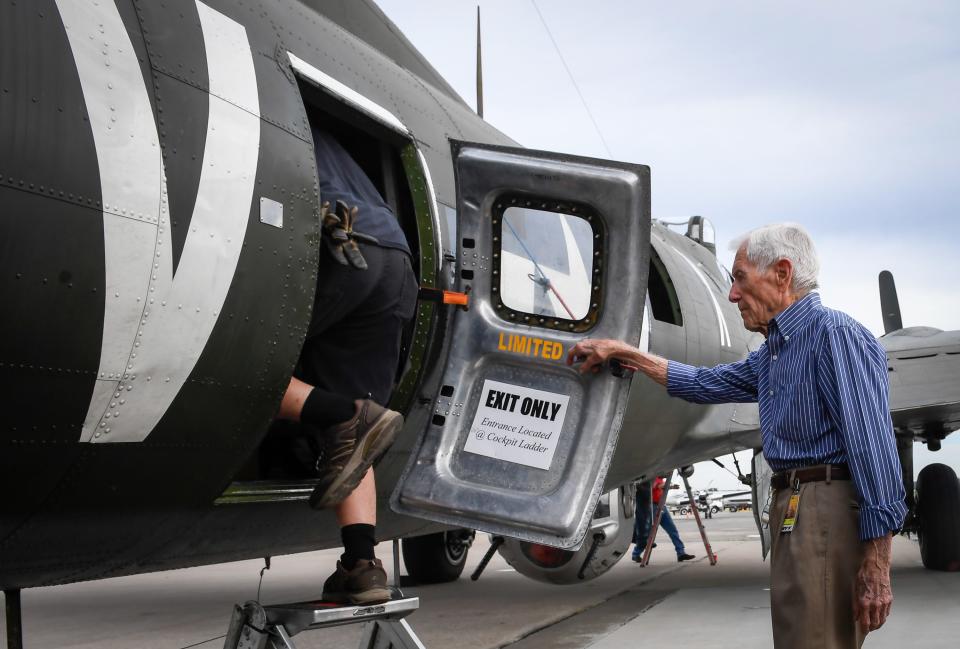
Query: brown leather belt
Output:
(785,479)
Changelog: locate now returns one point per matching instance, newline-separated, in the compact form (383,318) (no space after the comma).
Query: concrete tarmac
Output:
(665,604)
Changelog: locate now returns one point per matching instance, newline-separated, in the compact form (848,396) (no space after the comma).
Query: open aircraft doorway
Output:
(284,466)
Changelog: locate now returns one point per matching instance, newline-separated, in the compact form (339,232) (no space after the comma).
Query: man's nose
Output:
(734,295)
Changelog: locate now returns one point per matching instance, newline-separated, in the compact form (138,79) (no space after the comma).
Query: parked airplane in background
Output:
(713,499)
(736,501)
(159,239)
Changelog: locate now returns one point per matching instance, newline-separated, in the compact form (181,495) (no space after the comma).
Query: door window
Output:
(546,263)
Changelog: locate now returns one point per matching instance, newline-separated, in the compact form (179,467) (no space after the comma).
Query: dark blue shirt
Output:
(341,178)
(821,382)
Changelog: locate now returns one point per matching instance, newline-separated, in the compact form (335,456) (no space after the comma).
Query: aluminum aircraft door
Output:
(552,249)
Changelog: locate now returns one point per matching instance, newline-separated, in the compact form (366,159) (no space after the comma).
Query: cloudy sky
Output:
(839,116)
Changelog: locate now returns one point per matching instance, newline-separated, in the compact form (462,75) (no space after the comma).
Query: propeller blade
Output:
(889,303)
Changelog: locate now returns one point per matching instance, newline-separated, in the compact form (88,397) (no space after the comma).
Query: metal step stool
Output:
(254,626)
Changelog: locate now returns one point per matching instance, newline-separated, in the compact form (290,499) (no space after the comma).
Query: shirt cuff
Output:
(681,379)
(880,520)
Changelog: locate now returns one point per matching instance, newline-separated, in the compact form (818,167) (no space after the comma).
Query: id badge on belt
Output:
(793,510)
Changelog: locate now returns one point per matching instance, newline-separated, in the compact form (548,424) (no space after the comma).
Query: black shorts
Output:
(353,342)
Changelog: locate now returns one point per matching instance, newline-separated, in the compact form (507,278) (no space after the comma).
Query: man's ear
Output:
(783,270)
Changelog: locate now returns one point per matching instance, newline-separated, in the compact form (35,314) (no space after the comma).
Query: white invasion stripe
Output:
(347,94)
(130,168)
(185,308)
(162,345)
(645,327)
(724,332)
(228,48)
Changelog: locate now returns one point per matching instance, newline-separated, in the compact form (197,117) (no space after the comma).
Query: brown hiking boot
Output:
(351,448)
(365,584)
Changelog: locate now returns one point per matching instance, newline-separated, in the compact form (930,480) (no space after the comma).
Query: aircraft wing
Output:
(924,368)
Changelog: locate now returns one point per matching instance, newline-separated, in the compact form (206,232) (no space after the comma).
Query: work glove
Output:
(340,238)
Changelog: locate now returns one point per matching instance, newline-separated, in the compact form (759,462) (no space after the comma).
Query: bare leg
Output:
(357,513)
(292,403)
(361,505)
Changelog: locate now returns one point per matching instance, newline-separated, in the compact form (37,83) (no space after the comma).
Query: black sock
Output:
(358,541)
(323,409)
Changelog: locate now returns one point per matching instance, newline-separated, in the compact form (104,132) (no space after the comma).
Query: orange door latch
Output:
(430,294)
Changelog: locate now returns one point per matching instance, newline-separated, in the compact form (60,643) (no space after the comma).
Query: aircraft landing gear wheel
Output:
(938,510)
(437,558)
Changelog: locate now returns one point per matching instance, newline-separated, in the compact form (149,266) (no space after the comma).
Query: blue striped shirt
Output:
(821,382)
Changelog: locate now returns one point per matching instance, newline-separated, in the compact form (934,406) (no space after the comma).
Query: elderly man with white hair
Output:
(821,382)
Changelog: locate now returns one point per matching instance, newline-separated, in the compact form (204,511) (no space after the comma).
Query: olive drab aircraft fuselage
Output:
(159,242)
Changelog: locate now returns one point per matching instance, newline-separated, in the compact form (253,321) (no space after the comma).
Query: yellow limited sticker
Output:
(530,346)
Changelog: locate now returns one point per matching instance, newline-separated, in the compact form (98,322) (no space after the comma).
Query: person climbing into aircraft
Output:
(821,382)
(666,522)
(366,294)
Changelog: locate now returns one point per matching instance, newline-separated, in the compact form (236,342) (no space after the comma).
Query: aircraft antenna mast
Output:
(479,69)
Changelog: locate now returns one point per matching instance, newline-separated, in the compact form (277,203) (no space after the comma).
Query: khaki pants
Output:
(813,568)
